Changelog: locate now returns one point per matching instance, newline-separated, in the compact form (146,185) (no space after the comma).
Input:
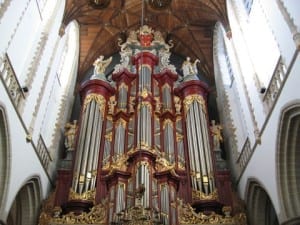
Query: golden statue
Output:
(70,132)
(216,133)
(100,65)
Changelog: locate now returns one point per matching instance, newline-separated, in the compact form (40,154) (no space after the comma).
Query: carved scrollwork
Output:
(97,215)
(187,215)
(89,195)
(202,196)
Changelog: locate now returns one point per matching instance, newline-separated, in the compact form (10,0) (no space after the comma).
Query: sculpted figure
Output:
(177,104)
(216,133)
(100,65)
(111,105)
(70,132)
(189,68)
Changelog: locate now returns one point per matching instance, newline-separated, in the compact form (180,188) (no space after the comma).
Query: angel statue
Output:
(189,68)
(100,65)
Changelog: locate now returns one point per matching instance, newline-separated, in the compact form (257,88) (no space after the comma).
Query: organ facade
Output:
(144,148)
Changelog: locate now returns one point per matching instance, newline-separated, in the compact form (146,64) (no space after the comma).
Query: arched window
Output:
(259,206)
(4,157)
(288,158)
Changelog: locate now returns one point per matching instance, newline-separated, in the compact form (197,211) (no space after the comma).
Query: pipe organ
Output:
(144,152)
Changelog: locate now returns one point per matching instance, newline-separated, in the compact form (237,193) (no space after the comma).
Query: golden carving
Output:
(202,196)
(145,30)
(190,99)
(119,162)
(179,137)
(144,93)
(88,195)
(123,86)
(177,103)
(70,132)
(47,209)
(147,104)
(98,98)
(108,136)
(187,215)
(162,164)
(111,105)
(216,133)
(166,122)
(97,215)
(100,64)
(121,122)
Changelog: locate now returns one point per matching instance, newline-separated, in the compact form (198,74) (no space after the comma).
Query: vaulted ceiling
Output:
(189,23)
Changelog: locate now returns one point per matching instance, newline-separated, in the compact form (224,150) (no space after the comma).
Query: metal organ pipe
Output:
(80,149)
(86,150)
(199,148)
(97,147)
(87,153)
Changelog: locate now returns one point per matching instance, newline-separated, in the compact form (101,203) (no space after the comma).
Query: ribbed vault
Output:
(188,23)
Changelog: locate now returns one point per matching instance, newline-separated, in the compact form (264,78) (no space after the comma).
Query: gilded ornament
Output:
(167,122)
(190,99)
(95,97)
(162,164)
(187,215)
(97,215)
(88,195)
(108,136)
(202,196)
(111,105)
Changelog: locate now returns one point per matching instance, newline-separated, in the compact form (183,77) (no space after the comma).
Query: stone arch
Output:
(5,157)
(260,209)
(287,160)
(25,207)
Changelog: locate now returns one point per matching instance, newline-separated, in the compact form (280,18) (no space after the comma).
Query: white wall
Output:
(23,29)
(262,165)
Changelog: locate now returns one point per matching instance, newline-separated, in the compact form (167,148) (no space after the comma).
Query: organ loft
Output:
(144,149)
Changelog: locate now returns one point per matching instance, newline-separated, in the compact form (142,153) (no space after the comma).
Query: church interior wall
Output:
(34,49)
(262,165)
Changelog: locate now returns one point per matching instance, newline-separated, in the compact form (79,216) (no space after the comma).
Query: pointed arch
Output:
(5,157)
(287,159)
(260,208)
(25,207)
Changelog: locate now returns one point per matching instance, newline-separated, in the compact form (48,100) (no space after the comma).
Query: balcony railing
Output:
(43,153)
(8,77)
(244,155)
(275,85)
